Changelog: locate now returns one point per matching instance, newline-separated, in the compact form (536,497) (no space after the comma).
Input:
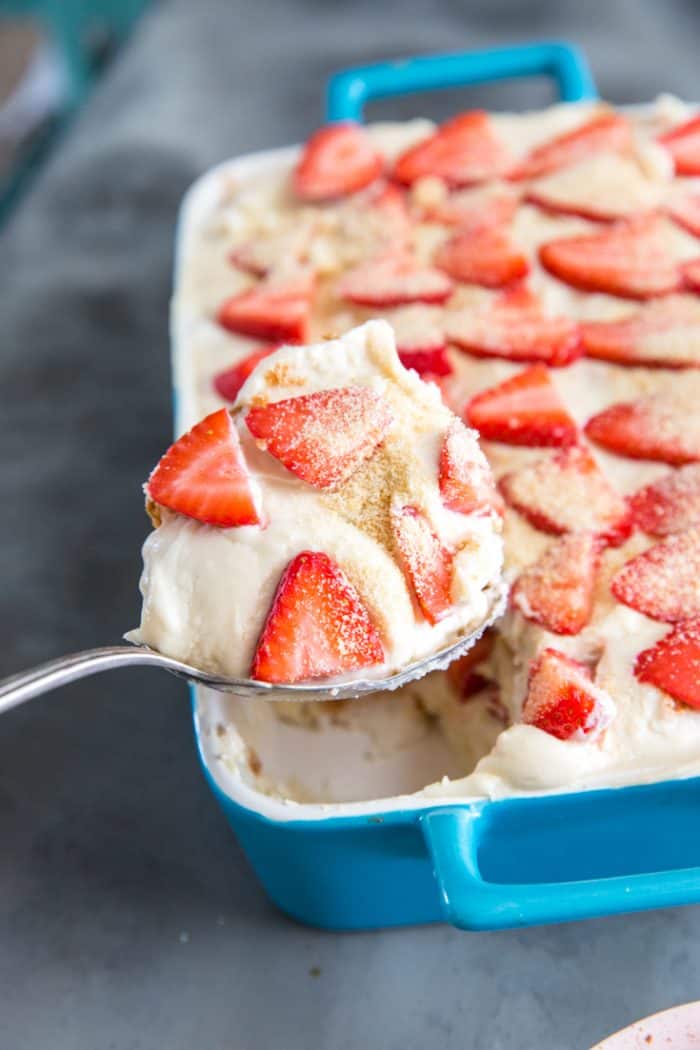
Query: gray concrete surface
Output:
(128,916)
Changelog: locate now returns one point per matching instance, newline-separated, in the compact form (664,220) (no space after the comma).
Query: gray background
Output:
(128,915)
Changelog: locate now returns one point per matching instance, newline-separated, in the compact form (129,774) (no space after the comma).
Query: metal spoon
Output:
(28,684)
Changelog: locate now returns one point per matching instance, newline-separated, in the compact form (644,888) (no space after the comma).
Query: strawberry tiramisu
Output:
(542,271)
(338,519)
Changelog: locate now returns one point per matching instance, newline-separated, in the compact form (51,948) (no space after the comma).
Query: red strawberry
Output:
(426,563)
(683,143)
(483,256)
(603,188)
(289,244)
(660,427)
(418,328)
(338,159)
(317,625)
(562,699)
(278,312)
(465,479)
(568,492)
(228,383)
(691,275)
(462,673)
(393,281)
(462,151)
(428,362)
(204,475)
(474,209)
(513,325)
(664,334)
(604,132)
(663,582)
(673,664)
(322,437)
(251,258)
(557,591)
(523,410)
(629,259)
(670,504)
(686,212)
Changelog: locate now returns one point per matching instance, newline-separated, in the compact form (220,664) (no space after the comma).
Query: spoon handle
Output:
(28,684)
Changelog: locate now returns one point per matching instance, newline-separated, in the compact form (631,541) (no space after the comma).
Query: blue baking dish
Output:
(476,864)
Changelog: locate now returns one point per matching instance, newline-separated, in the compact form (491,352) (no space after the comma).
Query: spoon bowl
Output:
(42,679)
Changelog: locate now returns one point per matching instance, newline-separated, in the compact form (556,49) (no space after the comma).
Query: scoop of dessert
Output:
(338,521)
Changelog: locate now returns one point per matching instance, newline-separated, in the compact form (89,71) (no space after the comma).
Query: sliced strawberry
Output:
(514,326)
(426,563)
(663,582)
(204,475)
(683,143)
(662,334)
(379,219)
(670,504)
(260,255)
(462,151)
(466,484)
(602,189)
(322,437)
(393,281)
(562,699)
(462,673)
(557,591)
(604,132)
(251,258)
(278,312)
(659,427)
(418,327)
(523,410)
(474,209)
(317,626)
(427,362)
(673,664)
(229,382)
(337,160)
(484,256)
(686,212)
(630,260)
(568,492)
(691,275)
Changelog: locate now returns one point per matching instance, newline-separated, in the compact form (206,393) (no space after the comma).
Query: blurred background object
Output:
(51,51)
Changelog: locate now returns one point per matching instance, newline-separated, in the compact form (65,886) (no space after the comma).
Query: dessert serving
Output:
(338,519)
(540,271)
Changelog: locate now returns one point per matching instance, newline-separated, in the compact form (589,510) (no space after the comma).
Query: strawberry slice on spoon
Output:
(317,625)
(204,476)
(322,437)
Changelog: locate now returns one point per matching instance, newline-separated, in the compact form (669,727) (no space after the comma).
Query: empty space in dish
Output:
(343,751)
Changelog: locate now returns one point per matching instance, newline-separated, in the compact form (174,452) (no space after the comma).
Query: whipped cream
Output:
(207,591)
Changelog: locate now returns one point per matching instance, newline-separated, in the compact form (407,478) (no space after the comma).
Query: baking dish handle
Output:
(453,836)
(349,90)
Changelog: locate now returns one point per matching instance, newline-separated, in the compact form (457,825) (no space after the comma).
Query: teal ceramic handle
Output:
(349,90)
(470,902)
